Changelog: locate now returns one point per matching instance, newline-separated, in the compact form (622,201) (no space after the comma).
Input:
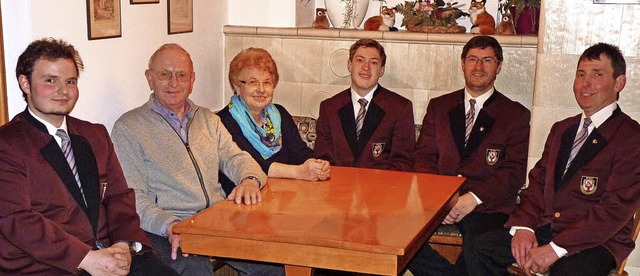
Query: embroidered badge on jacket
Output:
(377,149)
(492,156)
(589,184)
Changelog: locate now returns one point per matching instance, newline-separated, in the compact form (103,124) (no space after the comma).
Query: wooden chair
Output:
(619,271)
(447,240)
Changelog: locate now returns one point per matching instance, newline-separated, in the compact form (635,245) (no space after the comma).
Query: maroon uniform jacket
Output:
(594,202)
(494,160)
(386,140)
(45,228)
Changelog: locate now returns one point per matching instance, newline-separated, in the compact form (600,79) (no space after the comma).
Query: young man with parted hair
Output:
(366,125)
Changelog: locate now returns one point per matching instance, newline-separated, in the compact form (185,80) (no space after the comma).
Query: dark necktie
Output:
(579,141)
(68,154)
(469,119)
(360,118)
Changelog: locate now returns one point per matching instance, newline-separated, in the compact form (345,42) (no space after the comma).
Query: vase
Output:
(346,14)
(528,20)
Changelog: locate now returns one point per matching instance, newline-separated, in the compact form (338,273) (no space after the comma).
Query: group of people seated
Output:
(106,205)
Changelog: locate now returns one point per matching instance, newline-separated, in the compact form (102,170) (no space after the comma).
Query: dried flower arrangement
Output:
(431,17)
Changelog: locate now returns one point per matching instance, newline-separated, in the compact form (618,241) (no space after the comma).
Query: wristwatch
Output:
(134,247)
(254,178)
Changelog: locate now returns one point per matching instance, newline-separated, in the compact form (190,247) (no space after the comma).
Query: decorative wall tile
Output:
(629,34)
(573,25)
(554,87)
(300,61)
(288,94)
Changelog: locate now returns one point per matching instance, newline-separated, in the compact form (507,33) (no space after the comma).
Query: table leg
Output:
(293,270)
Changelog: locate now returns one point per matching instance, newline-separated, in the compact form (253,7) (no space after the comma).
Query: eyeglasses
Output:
(485,60)
(165,75)
(255,83)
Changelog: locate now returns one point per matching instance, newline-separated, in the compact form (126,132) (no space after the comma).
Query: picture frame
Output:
(103,19)
(180,16)
(135,2)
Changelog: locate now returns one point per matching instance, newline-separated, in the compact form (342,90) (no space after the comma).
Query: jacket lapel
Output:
(371,121)
(594,143)
(88,173)
(348,122)
(53,154)
(481,127)
(566,142)
(457,123)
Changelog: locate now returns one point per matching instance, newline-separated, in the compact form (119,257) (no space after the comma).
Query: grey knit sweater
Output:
(165,175)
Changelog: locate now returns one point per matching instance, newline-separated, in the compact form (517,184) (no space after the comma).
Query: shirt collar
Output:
(601,115)
(167,113)
(355,97)
(51,129)
(480,100)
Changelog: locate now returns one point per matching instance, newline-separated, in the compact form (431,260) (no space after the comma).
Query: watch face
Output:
(136,246)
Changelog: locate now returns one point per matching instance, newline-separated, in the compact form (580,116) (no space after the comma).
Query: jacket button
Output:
(557,214)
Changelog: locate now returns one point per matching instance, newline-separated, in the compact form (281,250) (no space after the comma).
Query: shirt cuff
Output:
(476,197)
(165,225)
(513,229)
(561,252)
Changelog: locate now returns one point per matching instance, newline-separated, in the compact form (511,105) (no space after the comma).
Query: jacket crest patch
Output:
(589,184)
(492,156)
(377,149)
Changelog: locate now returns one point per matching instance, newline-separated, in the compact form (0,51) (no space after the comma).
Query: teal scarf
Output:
(265,138)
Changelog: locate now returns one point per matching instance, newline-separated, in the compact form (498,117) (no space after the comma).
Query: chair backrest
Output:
(634,236)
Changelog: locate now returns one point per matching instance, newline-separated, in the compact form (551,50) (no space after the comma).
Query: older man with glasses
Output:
(171,150)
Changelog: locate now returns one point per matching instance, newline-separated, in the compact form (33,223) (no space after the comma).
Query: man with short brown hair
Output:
(576,215)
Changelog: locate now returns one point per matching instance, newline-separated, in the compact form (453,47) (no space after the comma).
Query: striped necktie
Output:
(360,118)
(469,119)
(579,141)
(68,154)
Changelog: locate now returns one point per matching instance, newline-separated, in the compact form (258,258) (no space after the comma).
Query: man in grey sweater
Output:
(171,151)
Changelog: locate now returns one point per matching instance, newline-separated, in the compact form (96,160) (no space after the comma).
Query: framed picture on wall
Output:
(103,19)
(180,14)
(133,2)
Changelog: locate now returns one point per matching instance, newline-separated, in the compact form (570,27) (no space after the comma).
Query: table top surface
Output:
(359,209)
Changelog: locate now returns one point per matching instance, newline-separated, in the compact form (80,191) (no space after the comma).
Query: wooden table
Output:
(362,220)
